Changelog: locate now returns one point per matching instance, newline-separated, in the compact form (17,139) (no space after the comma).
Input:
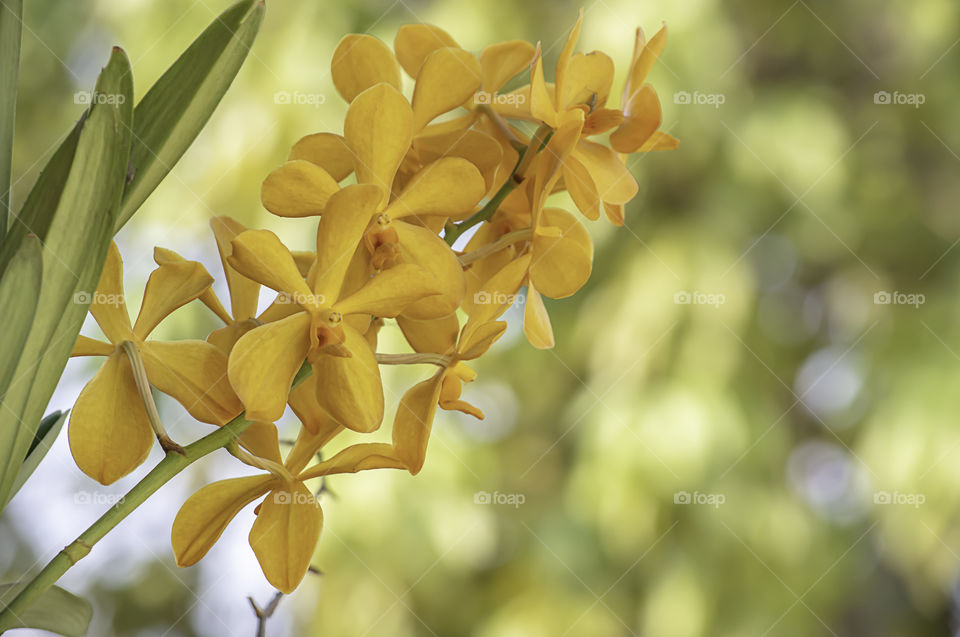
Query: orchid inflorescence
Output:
(389,198)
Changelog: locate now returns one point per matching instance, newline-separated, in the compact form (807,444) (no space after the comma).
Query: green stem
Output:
(172,464)
(453,231)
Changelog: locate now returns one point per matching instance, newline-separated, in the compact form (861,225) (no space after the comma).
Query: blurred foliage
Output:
(800,400)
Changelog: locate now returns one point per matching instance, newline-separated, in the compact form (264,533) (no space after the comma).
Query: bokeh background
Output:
(779,456)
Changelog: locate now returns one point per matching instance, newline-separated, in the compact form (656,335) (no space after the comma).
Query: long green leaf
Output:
(47,433)
(19,291)
(56,610)
(178,105)
(11,28)
(72,210)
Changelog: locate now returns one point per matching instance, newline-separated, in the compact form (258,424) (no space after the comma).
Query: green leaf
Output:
(11,27)
(72,210)
(178,105)
(47,432)
(19,291)
(56,610)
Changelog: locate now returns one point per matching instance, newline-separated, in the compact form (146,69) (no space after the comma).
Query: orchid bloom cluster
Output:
(388,198)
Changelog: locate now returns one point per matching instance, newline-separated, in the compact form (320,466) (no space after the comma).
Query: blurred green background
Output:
(779,456)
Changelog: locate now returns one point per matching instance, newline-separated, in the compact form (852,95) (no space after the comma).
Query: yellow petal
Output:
(285,535)
(421,247)
(170,286)
(359,457)
(642,117)
(338,235)
(307,444)
(262,439)
(496,295)
(581,187)
(359,62)
(588,80)
(91,347)
(448,78)
(195,373)
(244,293)
(614,182)
(438,336)
(226,337)
(644,57)
(451,388)
(261,256)
(378,129)
(110,433)
(414,42)
(481,339)
(351,391)
(615,213)
(299,188)
(548,161)
(536,321)
(561,261)
(279,347)
(541,99)
(204,516)
(414,420)
(659,141)
(303,402)
(450,187)
(208,297)
(517,103)
(563,62)
(327,150)
(477,147)
(503,61)
(107,305)
(388,293)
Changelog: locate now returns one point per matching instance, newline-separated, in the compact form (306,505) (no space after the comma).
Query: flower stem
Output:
(510,238)
(453,231)
(172,464)
(146,396)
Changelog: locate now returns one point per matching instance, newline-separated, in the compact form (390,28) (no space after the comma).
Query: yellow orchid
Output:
(289,519)
(414,417)
(320,332)
(110,430)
